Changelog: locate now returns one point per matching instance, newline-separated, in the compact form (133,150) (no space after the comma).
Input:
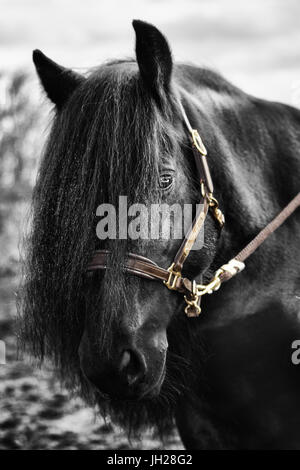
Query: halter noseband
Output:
(172,277)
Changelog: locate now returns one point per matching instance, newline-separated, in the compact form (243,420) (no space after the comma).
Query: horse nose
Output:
(133,366)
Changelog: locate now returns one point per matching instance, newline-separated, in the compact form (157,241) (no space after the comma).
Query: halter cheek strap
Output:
(172,277)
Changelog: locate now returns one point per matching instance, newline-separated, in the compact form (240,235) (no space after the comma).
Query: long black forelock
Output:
(105,142)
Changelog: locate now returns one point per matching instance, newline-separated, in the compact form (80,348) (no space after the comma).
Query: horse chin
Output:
(145,392)
(136,414)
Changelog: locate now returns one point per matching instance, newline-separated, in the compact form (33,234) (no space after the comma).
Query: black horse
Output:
(226,378)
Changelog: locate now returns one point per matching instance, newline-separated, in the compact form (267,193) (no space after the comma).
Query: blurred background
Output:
(254,44)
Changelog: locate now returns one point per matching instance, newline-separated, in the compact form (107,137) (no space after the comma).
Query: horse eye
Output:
(165,181)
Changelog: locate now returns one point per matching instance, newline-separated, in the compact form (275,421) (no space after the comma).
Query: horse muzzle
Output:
(134,372)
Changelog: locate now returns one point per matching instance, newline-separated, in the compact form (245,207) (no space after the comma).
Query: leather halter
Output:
(172,277)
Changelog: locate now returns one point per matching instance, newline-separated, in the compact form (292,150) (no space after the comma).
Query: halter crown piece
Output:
(172,277)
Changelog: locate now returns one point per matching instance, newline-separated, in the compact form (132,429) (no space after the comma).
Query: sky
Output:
(255,44)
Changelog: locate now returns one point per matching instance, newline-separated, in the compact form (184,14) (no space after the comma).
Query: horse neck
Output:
(254,154)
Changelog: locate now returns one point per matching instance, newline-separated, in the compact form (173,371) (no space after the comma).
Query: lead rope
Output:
(236,264)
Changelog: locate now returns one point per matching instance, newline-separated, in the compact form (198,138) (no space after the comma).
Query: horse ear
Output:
(153,55)
(58,82)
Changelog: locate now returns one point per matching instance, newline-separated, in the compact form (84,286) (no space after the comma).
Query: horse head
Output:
(118,131)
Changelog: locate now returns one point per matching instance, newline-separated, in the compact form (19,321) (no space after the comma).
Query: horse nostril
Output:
(125,360)
(133,366)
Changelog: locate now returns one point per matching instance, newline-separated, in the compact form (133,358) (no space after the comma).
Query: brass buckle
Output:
(198,143)
(214,205)
(172,279)
(192,308)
